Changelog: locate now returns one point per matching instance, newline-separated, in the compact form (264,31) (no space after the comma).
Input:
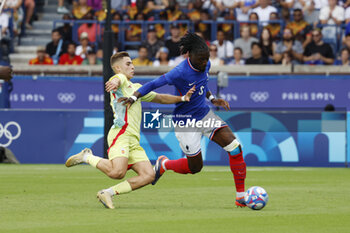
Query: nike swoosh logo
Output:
(190,84)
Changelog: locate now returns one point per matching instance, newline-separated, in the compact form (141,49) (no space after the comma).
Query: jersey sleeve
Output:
(150,86)
(149,96)
(122,78)
(172,76)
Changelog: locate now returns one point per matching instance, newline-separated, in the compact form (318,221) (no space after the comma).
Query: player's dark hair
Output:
(193,43)
(117,56)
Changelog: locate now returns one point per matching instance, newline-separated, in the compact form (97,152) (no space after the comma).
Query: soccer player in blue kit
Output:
(195,71)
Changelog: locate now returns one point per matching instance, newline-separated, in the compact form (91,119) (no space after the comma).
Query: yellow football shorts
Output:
(125,146)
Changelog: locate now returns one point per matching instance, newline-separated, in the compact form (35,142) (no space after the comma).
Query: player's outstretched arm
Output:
(172,99)
(112,85)
(145,89)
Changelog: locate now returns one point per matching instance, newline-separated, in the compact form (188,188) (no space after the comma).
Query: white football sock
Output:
(110,191)
(240,194)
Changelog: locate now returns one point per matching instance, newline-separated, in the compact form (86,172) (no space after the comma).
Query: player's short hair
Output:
(117,57)
(193,43)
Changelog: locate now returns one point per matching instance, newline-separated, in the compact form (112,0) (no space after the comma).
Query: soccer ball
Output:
(256,198)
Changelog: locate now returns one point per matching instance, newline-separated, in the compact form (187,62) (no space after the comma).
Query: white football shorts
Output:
(190,137)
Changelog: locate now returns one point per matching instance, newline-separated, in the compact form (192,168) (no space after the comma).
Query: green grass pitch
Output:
(53,198)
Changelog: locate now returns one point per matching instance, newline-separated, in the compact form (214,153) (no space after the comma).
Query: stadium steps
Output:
(22,58)
(40,35)
(52,8)
(26,49)
(41,32)
(36,40)
(23,54)
(50,16)
(47,25)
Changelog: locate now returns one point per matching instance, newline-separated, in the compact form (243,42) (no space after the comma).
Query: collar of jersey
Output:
(189,62)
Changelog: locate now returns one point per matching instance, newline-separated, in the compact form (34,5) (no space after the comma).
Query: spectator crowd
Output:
(238,32)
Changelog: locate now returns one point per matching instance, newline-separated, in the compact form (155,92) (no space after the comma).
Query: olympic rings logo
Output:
(4,131)
(66,97)
(259,96)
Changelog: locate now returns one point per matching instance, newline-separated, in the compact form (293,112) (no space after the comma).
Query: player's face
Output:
(126,67)
(200,60)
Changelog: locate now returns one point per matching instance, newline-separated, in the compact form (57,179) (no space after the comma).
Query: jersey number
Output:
(201,90)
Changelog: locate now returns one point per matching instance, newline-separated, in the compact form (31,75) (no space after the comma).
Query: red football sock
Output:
(238,168)
(178,166)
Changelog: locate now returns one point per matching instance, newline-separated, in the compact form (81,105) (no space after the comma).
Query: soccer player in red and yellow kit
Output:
(124,136)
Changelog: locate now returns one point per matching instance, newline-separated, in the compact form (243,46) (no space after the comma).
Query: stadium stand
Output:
(131,24)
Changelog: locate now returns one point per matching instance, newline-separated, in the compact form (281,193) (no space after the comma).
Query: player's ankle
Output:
(239,195)
(110,191)
(163,164)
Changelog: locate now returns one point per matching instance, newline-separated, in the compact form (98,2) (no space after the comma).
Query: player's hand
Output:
(221,103)
(112,85)
(126,101)
(5,73)
(189,93)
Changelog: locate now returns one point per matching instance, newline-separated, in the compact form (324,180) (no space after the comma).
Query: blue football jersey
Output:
(184,77)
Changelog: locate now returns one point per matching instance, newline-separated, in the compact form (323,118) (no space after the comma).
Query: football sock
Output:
(110,191)
(178,166)
(238,168)
(237,165)
(91,159)
(121,188)
(240,194)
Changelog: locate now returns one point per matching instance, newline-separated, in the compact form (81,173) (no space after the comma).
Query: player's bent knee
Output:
(117,174)
(149,178)
(234,148)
